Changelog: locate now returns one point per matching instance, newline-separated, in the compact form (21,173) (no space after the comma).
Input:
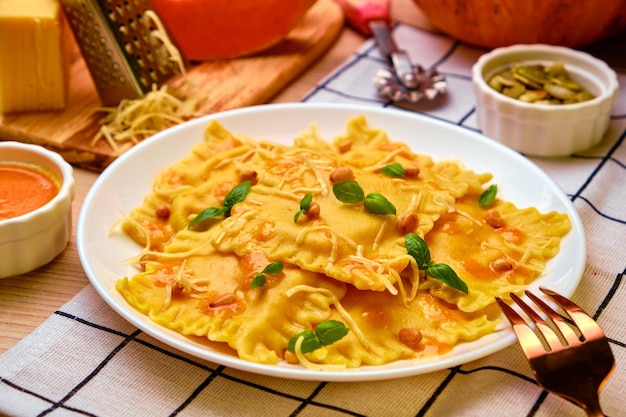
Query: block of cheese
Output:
(34,55)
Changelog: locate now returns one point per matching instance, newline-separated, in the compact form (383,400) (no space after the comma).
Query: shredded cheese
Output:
(243,153)
(137,225)
(161,34)
(381,232)
(312,365)
(333,236)
(309,229)
(135,120)
(168,255)
(169,193)
(261,189)
(469,217)
(161,108)
(378,269)
(234,227)
(416,199)
(323,188)
(384,162)
(340,309)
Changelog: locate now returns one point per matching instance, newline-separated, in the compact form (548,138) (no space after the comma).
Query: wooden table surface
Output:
(28,300)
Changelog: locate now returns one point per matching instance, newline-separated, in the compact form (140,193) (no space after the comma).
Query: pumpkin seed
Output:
(584,95)
(539,84)
(526,81)
(532,96)
(515,91)
(557,68)
(533,75)
(569,84)
(560,92)
(502,80)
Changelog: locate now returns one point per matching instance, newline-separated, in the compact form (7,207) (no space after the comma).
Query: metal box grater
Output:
(114,37)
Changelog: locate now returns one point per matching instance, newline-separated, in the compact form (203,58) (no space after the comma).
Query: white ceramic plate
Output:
(123,185)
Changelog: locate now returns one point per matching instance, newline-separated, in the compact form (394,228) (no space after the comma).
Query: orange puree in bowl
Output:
(24,188)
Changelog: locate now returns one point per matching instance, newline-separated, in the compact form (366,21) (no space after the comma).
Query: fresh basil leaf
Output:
(306,201)
(395,170)
(207,214)
(273,268)
(236,195)
(309,344)
(330,331)
(348,192)
(376,203)
(297,215)
(445,274)
(258,281)
(305,205)
(488,196)
(418,249)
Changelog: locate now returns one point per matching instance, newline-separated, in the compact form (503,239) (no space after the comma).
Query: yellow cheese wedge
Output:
(34,41)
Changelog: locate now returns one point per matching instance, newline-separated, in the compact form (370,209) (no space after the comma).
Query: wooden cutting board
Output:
(226,84)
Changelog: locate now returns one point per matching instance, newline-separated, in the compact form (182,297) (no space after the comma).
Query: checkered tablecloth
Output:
(85,360)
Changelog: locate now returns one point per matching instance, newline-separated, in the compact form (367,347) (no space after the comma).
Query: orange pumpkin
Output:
(495,23)
(219,29)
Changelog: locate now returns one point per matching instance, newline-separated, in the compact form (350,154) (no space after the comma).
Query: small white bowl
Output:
(543,129)
(35,238)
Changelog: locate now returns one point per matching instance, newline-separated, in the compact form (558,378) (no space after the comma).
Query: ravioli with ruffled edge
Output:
(342,264)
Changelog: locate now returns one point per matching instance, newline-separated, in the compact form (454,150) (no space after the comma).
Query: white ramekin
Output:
(35,238)
(541,129)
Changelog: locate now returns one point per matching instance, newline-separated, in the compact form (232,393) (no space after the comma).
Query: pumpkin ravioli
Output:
(205,248)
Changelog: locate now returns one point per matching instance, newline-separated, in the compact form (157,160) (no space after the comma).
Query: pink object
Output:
(360,12)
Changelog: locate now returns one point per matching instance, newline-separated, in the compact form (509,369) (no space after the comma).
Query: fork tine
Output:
(585,323)
(566,331)
(528,340)
(550,337)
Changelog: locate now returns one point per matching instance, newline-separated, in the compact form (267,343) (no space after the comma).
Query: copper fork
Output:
(573,361)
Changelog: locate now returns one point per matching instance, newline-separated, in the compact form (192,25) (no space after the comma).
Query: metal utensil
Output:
(403,81)
(115,39)
(571,366)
